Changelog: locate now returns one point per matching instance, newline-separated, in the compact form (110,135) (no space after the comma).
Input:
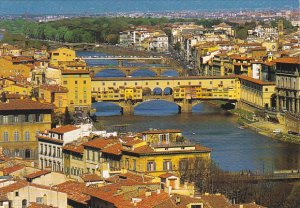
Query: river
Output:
(233,149)
(91,7)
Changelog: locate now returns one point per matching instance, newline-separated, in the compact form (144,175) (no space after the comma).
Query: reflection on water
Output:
(234,149)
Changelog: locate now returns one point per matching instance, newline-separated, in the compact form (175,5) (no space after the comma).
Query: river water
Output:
(233,149)
(90,7)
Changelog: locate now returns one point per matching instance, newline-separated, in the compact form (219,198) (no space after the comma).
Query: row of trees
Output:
(208,177)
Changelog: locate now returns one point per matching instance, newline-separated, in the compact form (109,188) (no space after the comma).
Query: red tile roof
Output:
(99,143)
(64,129)
(54,88)
(9,170)
(75,191)
(37,174)
(25,104)
(256,81)
(167,175)
(288,60)
(115,149)
(91,178)
(36,205)
(74,148)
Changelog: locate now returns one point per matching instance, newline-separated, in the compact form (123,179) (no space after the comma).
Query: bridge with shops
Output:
(186,92)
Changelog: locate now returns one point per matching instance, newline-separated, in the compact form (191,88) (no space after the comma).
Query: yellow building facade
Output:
(61,55)
(78,83)
(257,94)
(20,121)
(15,65)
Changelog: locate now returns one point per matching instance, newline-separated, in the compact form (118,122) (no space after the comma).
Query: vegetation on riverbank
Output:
(107,29)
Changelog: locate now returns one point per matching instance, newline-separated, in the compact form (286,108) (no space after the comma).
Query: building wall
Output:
(141,162)
(7,68)
(61,55)
(30,194)
(74,165)
(79,86)
(25,142)
(50,179)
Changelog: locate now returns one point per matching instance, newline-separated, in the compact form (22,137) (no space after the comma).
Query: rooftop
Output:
(24,104)
(64,129)
(256,81)
(37,174)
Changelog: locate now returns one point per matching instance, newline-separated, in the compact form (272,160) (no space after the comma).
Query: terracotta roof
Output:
(37,174)
(131,142)
(91,178)
(184,201)
(75,191)
(64,129)
(249,205)
(54,88)
(14,186)
(129,176)
(74,148)
(218,201)
(24,104)
(161,131)
(99,143)
(154,200)
(49,139)
(115,149)
(256,81)
(9,170)
(36,205)
(288,60)
(74,72)
(167,175)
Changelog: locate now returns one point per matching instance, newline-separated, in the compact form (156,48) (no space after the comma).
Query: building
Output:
(54,94)
(78,83)
(16,65)
(51,144)
(257,94)
(163,136)
(20,121)
(21,194)
(61,55)
(159,158)
(288,84)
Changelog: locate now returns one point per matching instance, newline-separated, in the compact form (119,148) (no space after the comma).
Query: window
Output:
(5,136)
(16,136)
(151,166)
(76,82)
(178,83)
(5,119)
(27,136)
(196,206)
(16,193)
(39,200)
(65,82)
(26,118)
(167,165)
(16,119)
(84,81)
(266,89)
(134,165)
(38,118)
(127,164)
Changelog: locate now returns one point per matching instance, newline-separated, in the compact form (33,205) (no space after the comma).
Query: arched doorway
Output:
(273,101)
(24,203)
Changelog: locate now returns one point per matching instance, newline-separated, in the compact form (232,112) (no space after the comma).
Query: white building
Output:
(50,143)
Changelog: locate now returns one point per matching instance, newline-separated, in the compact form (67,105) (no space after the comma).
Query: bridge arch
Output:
(157,91)
(111,72)
(143,72)
(147,91)
(168,91)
